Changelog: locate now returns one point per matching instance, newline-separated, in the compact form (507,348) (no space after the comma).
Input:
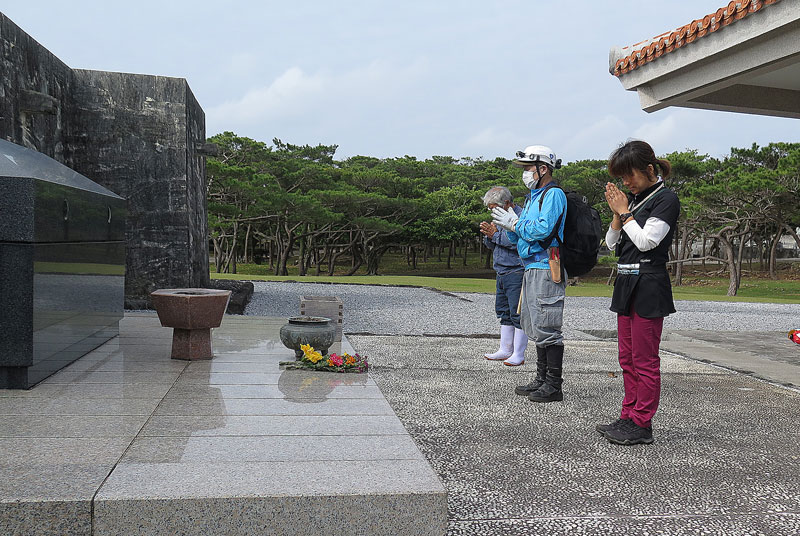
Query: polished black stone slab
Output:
(62,265)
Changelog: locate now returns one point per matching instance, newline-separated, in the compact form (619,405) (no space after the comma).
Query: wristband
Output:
(625,216)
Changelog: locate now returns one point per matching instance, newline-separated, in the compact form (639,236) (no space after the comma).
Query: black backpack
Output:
(582,234)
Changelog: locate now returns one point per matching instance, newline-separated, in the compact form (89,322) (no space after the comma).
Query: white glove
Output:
(506,219)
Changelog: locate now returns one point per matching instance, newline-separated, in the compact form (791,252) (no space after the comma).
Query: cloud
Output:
(608,131)
(290,93)
(242,63)
(492,141)
(296,95)
(662,133)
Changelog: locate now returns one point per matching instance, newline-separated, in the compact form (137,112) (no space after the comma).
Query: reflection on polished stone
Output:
(305,386)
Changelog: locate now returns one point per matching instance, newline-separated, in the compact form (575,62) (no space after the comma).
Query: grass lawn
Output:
(700,289)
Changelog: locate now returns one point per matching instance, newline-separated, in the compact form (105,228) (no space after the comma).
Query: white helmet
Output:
(537,153)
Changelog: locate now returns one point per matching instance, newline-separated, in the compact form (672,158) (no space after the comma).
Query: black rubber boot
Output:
(541,373)
(550,391)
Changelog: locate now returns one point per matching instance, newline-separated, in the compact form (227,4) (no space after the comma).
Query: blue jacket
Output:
(535,225)
(506,258)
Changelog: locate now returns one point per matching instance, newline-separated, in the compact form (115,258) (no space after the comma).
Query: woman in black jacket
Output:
(641,230)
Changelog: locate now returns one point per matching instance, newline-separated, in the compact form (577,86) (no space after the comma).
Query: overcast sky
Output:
(385,79)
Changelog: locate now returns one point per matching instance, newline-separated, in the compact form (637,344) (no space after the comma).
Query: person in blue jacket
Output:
(508,266)
(544,281)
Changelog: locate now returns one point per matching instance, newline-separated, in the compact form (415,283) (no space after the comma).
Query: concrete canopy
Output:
(743,58)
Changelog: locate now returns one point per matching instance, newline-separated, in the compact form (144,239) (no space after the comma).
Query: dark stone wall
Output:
(196,191)
(143,131)
(140,136)
(35,92)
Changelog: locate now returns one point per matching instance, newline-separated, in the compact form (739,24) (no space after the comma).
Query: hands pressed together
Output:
(506,219)
(488,228)
(617,200)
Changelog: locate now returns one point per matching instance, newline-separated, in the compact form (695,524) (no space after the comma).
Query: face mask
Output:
(529,179)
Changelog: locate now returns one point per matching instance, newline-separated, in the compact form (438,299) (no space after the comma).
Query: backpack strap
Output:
(544,244)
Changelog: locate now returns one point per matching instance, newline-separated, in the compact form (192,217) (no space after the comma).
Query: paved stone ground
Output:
(767,355)
(725,460)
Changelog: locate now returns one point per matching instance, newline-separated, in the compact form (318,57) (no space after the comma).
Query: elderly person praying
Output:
(508,266)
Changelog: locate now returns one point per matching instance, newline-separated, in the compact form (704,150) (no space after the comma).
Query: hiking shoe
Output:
(629,433)
(547,393)
(525,390)
(604,428)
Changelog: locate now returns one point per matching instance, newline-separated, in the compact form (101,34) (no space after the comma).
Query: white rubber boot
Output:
(520,344)
(506,345)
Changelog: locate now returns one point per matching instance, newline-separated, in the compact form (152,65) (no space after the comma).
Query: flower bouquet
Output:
(794,335)
(314,360)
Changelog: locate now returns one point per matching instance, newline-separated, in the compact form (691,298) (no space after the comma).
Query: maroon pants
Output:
(639,339)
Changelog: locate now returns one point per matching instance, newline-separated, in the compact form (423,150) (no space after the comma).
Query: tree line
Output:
(297,204)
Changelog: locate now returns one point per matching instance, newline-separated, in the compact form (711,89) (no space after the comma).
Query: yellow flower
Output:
(310,354)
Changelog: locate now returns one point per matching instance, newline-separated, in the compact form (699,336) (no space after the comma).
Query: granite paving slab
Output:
(72,425)
(77,406)
(271,406)
(314,388)
(333,515)
(265,364)
(46,450)
(67,376)
(47,518)
(767,355)
(229,378)
(276,478)
(243,425)
(116,363)
(128,441)
(332,449)
(90,390)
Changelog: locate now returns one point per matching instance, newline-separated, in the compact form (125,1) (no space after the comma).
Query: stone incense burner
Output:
(314,330)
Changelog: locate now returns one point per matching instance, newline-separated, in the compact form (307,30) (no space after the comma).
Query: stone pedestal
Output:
(325,306)
(191,312)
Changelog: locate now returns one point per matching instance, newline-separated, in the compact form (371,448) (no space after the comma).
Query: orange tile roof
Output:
(652,49)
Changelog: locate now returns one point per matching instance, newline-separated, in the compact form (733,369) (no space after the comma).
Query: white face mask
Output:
(529,179)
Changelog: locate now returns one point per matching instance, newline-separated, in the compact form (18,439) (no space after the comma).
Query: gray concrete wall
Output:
(137,135)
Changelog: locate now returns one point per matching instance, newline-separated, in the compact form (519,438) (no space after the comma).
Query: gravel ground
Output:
(724,461)
(415,311)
